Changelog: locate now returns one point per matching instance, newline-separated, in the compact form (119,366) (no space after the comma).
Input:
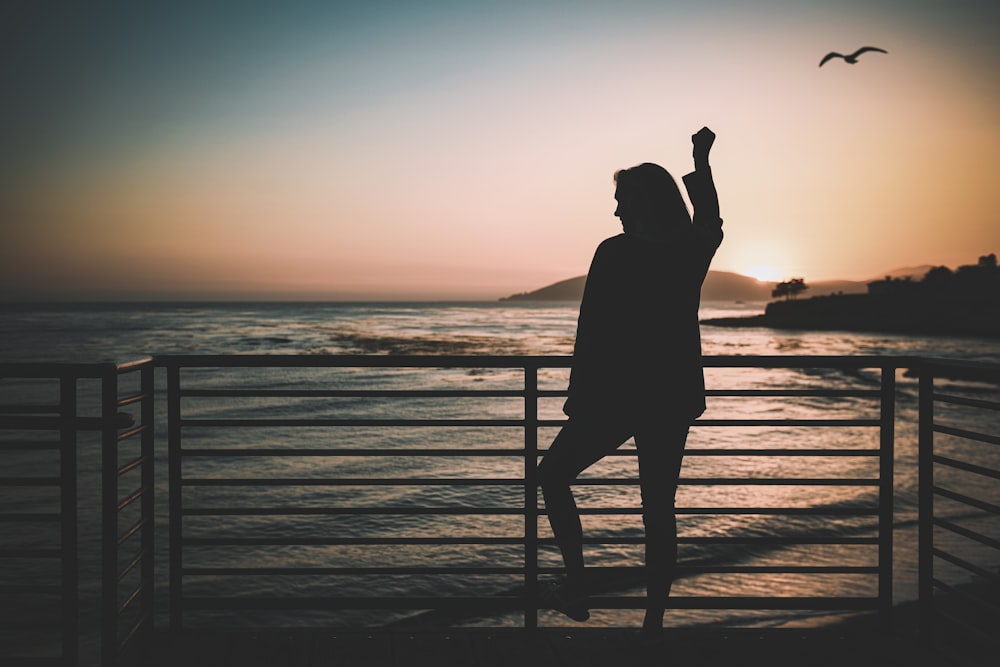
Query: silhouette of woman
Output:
(637,369)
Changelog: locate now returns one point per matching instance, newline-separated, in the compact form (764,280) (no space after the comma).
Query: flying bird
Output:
(851,58)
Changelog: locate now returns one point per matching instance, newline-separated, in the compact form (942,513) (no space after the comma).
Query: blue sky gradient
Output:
(465,149)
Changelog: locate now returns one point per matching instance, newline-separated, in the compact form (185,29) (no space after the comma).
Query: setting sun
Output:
(764,273)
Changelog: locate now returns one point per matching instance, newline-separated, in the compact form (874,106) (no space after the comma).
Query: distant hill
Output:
(570,289)
(722,286)
(914,272)
(719,286)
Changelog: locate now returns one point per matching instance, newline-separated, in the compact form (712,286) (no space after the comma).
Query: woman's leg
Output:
(576,447)
(660,451)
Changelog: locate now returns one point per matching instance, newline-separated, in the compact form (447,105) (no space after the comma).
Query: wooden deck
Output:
(608,647)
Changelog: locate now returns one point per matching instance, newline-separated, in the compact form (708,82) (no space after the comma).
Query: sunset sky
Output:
(461,149)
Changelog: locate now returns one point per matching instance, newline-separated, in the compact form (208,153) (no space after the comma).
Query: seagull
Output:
(851,58)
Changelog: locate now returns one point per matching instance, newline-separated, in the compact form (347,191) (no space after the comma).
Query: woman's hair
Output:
(652,189)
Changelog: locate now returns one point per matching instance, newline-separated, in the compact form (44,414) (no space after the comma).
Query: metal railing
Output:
(356,407)
(39,549)
(51,417)
(195,469)
(963,622)
(127,562)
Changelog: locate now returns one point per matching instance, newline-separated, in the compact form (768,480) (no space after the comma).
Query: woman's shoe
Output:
(565,600)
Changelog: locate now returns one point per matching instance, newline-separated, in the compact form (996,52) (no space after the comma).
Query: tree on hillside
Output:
(790,288)
(939,277)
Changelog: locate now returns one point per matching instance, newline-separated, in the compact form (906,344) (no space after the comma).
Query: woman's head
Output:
(649,201)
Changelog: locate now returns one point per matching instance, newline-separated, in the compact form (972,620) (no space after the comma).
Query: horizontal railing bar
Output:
(132,564)
(742,511)
(695,451)
(337,511)
(50,423)
(439,451)
(345,541)
(360,361)
(813,423)
(29,481)
(29,446)
(132,465)
(965,532)
(271,451)
(517,511)
(30,553)
(351,571)
(779,569)
(402,481)
(939,364)
(134,431)
(968,467)
(42,589)
(53,370)
(792,393)
(441,423)
(496,393)
(968,435)
(379,571)
(449,541)
(290,423)
(966,500)
(134,398)
(741,602)
(11,409)
(352,393)
(513,481)
(970,402)
(133,530)
(129,499)
(513,361)
(132,597)
(498,603)
(135,364)
(735,540)
(507,603)
(27,517)
(963,564)
(133,630)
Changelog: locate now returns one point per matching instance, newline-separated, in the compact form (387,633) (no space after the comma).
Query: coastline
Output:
(877,314)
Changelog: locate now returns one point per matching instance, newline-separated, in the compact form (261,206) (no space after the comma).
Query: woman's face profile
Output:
(632,213)
(624,210)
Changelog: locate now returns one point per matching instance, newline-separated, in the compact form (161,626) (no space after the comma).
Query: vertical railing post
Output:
(530,496)
(109,517)
(887,418)
(925,506)
(148,506)
(174,492)
(68,517)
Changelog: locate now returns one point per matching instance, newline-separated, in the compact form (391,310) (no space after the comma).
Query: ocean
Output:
(121,332)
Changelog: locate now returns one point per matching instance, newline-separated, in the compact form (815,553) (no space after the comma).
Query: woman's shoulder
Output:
(616,241)
(612,246)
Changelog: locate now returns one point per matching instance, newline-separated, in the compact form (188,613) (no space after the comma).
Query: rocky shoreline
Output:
(873,313)
(964,302)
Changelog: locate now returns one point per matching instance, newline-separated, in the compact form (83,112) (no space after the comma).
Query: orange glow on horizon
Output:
(336,171)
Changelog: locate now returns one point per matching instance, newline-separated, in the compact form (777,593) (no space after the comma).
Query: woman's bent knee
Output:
(552,477)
